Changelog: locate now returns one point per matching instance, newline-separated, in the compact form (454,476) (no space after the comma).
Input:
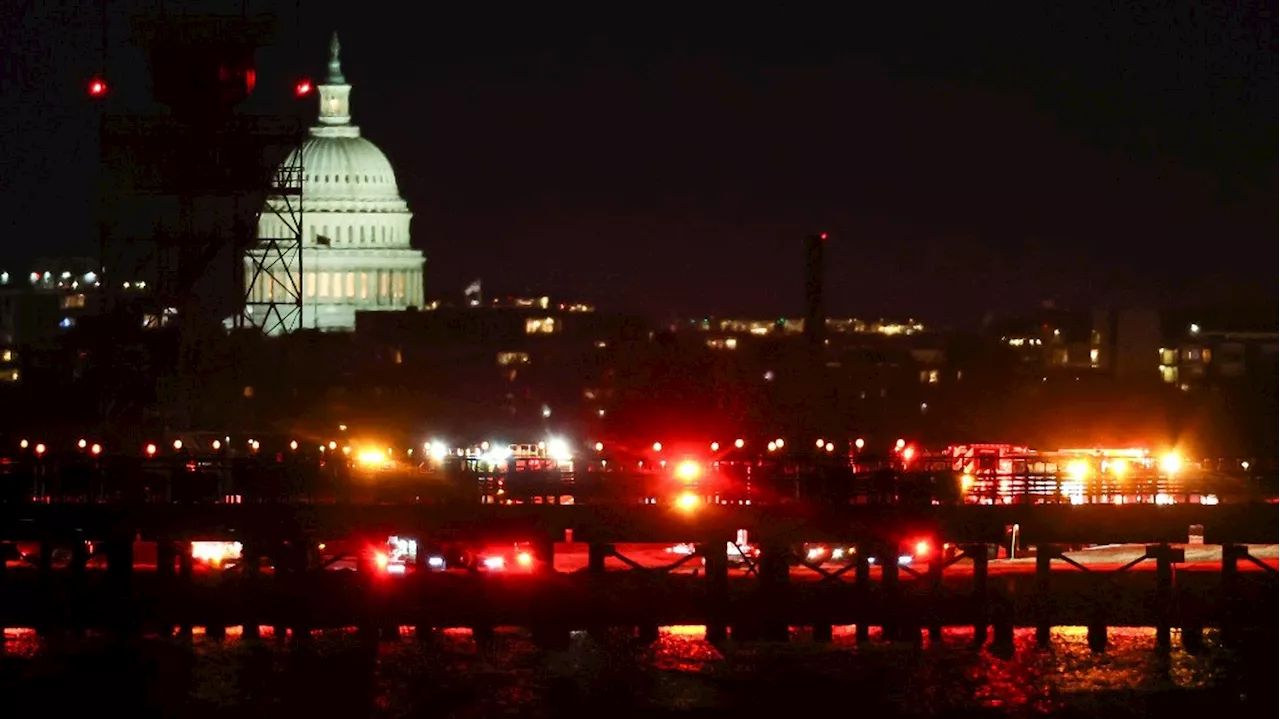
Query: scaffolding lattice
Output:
(273,289)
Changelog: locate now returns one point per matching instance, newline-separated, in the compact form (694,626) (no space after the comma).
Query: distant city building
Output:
(356,254)
(1216,347)
(1057,339)
(726,333)
(38,306)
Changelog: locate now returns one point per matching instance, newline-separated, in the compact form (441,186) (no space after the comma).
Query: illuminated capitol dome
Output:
(355,226)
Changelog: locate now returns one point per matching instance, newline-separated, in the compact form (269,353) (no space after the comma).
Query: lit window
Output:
(351,285)
(1169,374)
(324,284)
(506,359)
(6,356)
(1168,356)
(544,325)
(1093,356)
(929,376)
(71,302)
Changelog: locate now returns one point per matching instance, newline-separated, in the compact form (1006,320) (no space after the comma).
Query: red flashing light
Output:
(95,450)
(303,88)
(97,87)
(822,236)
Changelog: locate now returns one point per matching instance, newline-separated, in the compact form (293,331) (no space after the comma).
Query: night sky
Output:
(965,161)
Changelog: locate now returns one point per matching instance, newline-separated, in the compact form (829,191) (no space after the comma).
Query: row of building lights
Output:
(779,443)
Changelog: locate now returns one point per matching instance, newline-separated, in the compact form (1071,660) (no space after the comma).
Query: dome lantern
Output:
(335,93)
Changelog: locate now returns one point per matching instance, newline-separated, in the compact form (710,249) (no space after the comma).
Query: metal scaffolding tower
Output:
(273,265)
(183,193)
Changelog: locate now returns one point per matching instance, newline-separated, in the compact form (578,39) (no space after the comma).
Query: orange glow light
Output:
(688,470)
(687,501)
(95,450)
(40,449)
(150,450)
(524,559)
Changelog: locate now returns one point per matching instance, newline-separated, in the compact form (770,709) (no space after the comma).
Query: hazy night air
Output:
(640,362)
(991,157)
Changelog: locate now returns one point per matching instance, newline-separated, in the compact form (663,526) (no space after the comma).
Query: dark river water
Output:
(679,675)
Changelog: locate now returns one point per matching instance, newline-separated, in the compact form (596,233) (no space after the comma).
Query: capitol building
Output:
(356,254)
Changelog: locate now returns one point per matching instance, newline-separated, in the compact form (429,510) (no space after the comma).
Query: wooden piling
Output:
(1229,621)
(166,574)
(862,591)
(1044,600)
(251,557)
(551,633)
(775,578)
(44,565)
(1165,557)
(597,553)
(120,580)
(891,591)
(936,563)
(982,619)
(5,549)
(76,601)
(185,588)
(717,582)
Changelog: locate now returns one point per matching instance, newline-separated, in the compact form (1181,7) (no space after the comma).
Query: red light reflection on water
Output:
(682,669)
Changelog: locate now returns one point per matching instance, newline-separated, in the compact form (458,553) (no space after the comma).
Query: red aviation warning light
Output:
(97,87)
(822,236)
(303,88)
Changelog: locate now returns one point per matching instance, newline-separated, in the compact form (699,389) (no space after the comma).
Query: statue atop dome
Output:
(335,63)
